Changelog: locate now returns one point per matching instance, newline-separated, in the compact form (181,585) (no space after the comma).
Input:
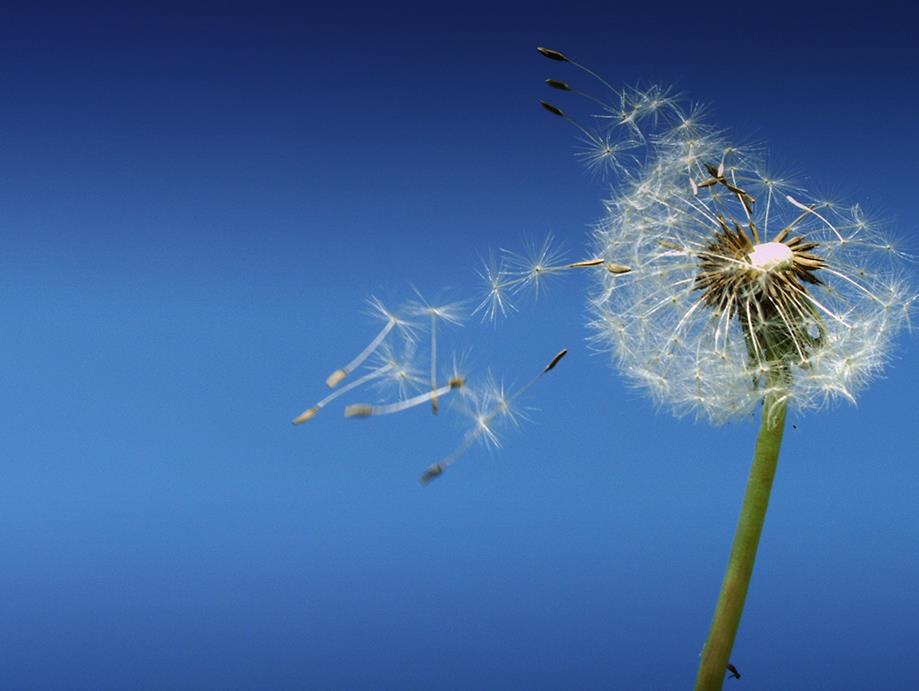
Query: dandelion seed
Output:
(392,321)
(389,369)
(600,153)
(310,413)
(493,405)
(561,57)
(448,313)
(535,265)
(527,270)
(366,410)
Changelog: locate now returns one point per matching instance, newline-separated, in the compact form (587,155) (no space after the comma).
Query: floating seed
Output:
(553,54)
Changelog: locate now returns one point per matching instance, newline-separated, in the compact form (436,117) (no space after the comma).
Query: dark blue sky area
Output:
(195,203)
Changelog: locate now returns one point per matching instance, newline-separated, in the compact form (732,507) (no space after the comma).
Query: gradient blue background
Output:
(194,204)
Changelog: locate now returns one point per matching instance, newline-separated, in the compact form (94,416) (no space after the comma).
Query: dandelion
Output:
(743,289)
(734,285)
(718,287)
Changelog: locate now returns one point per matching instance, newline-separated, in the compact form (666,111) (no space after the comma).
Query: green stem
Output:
(746,539)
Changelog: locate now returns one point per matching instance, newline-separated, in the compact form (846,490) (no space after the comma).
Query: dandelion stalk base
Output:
(715,655)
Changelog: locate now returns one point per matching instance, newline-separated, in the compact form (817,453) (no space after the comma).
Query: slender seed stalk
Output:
(715,655)
(434,404)
(339,374)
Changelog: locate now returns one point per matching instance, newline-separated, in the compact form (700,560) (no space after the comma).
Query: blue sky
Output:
(194,208)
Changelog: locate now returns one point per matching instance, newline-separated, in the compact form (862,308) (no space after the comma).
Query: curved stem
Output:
(746,539)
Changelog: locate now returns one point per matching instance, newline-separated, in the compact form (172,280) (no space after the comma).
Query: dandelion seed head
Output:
(737,282)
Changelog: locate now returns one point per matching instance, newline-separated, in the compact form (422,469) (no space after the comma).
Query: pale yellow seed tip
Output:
(456,382)
(336,377)
(617,268)
(359,410)
(305,415)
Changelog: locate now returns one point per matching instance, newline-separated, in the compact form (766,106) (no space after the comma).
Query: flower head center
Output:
(769,256)
(763,284)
